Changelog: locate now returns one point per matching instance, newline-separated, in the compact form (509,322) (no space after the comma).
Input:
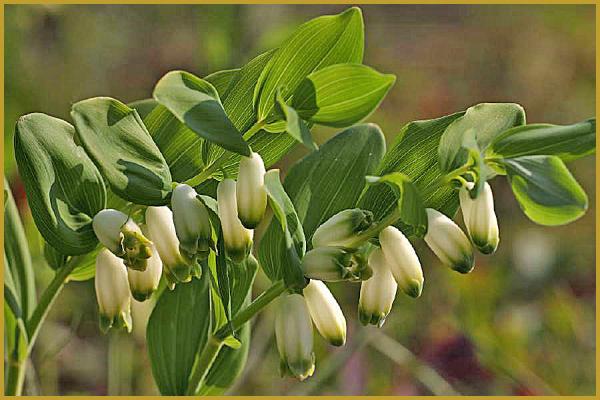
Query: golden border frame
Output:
(424,2)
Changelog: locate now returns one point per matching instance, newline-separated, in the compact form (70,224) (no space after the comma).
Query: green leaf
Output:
(64,188)
(178,327)
(196,103)
(227,366)
(237,101)
(294,125)
(180,146)
(325,182)
(15,336)
(410,205)
(316,44)
(17,258)
(569,142)
(86,266)
(230,362)
(117,140)
(224,285)
(341,95)
(486,120)
(54,258)
(545,189)
(221,80)
(288,244)
(331,179)
(344,36)
(413,153)
(143,107)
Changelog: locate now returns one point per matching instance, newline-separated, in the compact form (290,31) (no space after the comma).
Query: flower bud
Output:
(294,336)
(343,228)
(143,283)
(448,242)
(112,292)
(123,237)
(251,193)
(480,218)
(192,223)
(238,240)
(402,261)
(159,222)
(331,264)
(377,293)
(325,312)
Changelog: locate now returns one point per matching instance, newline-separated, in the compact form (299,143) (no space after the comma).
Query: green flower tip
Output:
(466,265)
(302,369)
(368,318)
(414,288)
(485,246)
(181,272)
(238,254)
(251,221)
(122,320)
(337,341)
(142,296)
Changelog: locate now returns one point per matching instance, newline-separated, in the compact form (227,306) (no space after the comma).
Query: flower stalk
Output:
(206,357)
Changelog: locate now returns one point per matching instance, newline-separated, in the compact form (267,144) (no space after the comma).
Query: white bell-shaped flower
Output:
(251,193)
(330,264)
(325,312)
(343,229)
(117,232)
(112,291)
(238,239)
(294,336)
(160,226)
(449,242)
(480,218)
(377,293)
(143,283)
(402,261)
(192,222)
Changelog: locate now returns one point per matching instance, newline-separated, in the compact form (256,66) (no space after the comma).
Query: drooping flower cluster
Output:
(334,256)
(127,266)
(395,264)
(349,246)
(294,321)
(173,240)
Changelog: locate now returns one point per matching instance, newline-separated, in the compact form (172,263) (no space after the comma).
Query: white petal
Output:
(143,283)
(161,229)
(480,219)
(402,260)
(448,242)
(107,226)
(251,193)
(294,335)
(377,294)
(237,238)
(112,289)
(190,217)
(325,312)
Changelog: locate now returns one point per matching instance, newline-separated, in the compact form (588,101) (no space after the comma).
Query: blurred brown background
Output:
(522,323)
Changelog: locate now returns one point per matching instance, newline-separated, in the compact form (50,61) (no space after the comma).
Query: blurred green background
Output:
(522,323)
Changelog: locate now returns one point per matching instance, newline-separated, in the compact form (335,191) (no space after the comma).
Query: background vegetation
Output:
(522,323)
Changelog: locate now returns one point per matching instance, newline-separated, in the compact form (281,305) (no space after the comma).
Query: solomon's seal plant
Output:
(166,192)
